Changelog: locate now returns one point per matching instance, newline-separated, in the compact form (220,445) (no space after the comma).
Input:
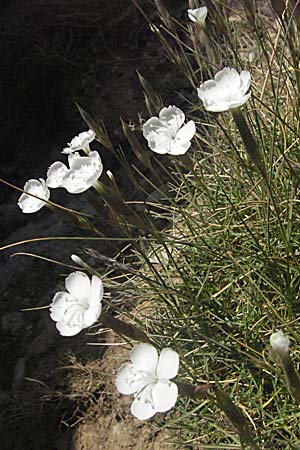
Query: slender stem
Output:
(252,149)
(224,402)
(123,328)
(292,377)
(189,390)
(249,141)
(236,417)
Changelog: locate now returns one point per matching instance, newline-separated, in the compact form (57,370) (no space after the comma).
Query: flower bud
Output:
(77,260)
(280,344)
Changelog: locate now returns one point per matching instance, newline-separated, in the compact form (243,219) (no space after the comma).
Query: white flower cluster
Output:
(83,172)
(167,134)
(147,375)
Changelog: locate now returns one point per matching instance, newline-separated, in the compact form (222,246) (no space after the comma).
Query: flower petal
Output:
(241,101)
(144,357)
(226,76)
(96,291)
(178,148)
(55,174)
(75,315)
(160,143)
(76,161)
(164,396)
(67,330)
(75,183)
(245,80)
(152,126)
(127,381)
(59,305)
(84,172)
(186,133)
(142,410)
(29,204)
(168,364)
(78,284)
(95,306)
(218,107)
(91,315)
(67,151)
(173,117)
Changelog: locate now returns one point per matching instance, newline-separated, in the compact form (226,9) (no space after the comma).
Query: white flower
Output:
(78,308)
(166,133)
(29,204)
(198,15)
(280,343)
(83,173)
(227,90)
(148,376)
(80,142)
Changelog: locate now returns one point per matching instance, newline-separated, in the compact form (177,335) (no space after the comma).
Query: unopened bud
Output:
(280,344)
(110,174)
(252,56)
(77,260)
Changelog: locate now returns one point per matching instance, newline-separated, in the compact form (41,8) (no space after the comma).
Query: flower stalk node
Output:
(123,328)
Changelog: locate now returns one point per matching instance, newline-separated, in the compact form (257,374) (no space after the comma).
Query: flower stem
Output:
(189,390)
(249,141)
(236,417)
(224,402)
(291,376)
(123,328)
(75,219)
(120,211)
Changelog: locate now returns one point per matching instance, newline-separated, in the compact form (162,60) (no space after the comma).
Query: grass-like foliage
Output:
(225,274)
(214,234)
